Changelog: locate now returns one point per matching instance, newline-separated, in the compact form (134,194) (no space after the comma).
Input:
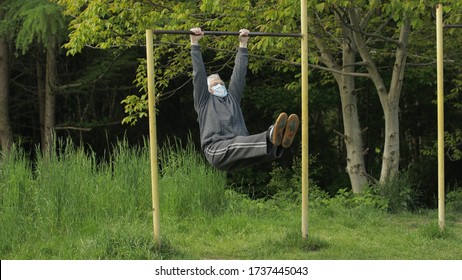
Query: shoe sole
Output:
(278,129)
(290,130)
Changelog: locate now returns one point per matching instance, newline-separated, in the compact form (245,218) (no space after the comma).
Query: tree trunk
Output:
(41,97)
(390,159)
(50,99)
(6,136)
(391,151)
(355,166)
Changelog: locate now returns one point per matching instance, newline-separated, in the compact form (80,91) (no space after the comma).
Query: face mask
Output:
(219,90)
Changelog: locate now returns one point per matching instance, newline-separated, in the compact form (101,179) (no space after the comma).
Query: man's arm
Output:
(237,82)
(201,92)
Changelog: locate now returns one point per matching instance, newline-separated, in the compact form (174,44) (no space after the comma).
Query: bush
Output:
(345,198)
(287,182)
(454,200)
(398,192)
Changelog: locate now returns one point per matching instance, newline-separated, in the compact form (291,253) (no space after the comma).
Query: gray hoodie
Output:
(219,118)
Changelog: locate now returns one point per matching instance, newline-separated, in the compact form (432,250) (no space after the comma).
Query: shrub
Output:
(286,182)
(399,192)
(345,198)
(454,200)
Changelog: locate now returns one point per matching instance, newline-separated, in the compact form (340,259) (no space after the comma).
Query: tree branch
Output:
(70,127)
(366,57)
(75,85)
(340,72)
(357,29)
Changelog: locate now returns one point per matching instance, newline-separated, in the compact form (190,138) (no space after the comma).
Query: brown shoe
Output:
(277,131)
(290,130)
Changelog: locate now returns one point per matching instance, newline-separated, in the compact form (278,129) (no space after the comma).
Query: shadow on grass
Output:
(293,241)
(139,248)
(433,232)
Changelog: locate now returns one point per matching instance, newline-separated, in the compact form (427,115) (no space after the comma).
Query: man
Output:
(225,140)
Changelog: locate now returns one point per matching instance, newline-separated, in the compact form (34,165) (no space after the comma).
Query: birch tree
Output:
(362,28)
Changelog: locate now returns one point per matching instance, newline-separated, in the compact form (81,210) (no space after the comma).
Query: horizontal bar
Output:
(221,33)
(453,26)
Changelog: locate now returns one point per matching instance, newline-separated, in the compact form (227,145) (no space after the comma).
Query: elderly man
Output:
(225,140)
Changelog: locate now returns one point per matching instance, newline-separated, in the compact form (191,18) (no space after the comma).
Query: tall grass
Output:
(71,193)
(189,187)
(18,196)
(68,193)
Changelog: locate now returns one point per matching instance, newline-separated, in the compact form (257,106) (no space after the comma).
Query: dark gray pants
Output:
(241,151)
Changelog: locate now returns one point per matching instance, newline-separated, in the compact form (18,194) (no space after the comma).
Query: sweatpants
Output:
(241,151)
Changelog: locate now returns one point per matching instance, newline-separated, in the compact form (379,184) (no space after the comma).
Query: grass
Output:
(72,206)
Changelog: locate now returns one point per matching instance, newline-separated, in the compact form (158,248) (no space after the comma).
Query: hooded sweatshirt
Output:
(219,118)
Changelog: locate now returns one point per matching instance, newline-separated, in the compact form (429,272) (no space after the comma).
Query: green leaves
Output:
(136,108)
(34,21)
(454,144)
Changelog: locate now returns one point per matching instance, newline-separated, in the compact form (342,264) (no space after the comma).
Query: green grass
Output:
(70,206)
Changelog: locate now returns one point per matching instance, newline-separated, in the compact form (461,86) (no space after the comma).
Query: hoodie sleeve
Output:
(201,91)
(237,82)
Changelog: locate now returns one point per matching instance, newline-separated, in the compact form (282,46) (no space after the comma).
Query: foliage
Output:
(453,133)
(369,199)
(400,192)
(454,200)
(135,107)
(32,22)
(286,181)
(453,139)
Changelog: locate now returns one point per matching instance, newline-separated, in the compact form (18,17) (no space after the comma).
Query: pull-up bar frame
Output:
(304,105)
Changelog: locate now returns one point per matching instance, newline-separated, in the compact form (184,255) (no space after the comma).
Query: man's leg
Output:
(242,151)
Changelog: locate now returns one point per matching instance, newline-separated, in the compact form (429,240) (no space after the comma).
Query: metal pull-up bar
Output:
(224,33)
(452,26)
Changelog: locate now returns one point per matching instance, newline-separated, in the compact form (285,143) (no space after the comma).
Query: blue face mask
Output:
(219,90)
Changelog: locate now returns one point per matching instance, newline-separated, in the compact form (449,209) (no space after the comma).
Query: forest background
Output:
(76,69)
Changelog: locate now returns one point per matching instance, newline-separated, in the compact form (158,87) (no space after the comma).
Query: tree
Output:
(362,34)
(39,24)
(343,67)
(6,136)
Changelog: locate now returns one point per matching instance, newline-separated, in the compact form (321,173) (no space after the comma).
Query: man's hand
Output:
(198,35)
(243,38)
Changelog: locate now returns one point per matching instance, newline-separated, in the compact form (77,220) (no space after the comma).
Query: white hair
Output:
(212,78)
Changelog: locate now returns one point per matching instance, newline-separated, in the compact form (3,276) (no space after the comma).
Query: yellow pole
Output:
(305,162)
(440,97)
(153,137)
